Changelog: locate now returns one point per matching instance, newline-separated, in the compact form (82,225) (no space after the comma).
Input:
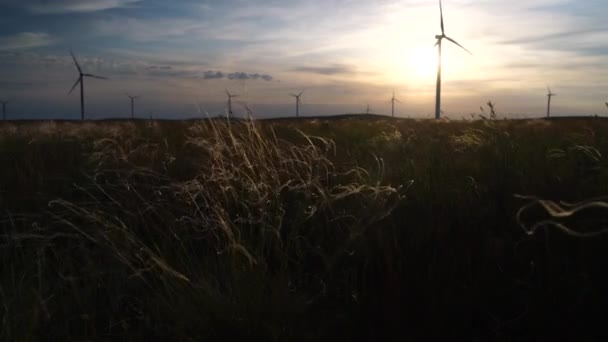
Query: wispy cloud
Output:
(246,76)
(211,75)
(68,6)
(149,30)
(25,40)
(336,69)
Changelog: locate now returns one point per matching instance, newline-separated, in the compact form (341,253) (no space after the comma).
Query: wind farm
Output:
(303,171)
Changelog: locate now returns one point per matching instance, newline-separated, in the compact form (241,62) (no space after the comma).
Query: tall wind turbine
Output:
(298,102)
(438,44)
(393,100)
(230,97)
(81,76)
(4,103)
(549,96)
(132,98)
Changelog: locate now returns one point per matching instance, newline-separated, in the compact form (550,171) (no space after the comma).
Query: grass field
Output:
(343,229)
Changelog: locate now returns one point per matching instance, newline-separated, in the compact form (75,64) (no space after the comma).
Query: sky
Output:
(180,56)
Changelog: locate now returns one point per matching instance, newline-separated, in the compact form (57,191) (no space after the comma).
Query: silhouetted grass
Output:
(343,229)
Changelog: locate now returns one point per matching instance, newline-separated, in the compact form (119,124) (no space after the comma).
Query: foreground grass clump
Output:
(244,245)
(353,229)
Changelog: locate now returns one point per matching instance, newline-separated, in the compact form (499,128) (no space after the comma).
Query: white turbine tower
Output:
(549,96)
(440,39)
(230,97)
(298,102)
(132,98)
(4,103)
(80,80)
(393,100)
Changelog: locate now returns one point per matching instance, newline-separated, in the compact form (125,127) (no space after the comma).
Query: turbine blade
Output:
(75,84)
(455,42)
(441,12)
(300,94)
(95,76)
(76,62)
(438,41)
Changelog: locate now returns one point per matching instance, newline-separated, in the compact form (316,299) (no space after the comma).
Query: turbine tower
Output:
(298,102)
(80,80)
(549,96)
(230,97)
(393,100)
(438,44)
(132,98)
(4,103)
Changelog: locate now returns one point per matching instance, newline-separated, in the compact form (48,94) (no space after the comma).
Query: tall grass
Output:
(262,226)
(315,230)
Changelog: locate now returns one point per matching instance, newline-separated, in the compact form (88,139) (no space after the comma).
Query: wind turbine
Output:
(230,97)
(438,44)
(549,96)
(81,76)
(132,98)
(4,103)
(393,100)
(298,102)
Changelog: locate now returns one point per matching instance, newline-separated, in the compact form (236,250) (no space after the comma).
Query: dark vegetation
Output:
(356,229)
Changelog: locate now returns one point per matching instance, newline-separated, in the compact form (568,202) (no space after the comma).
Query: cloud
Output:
(15,85)
(150,30)
(209,75)
(336,69)
(25,40)
(159,67)
(246,76)
(214,75)
(68,6)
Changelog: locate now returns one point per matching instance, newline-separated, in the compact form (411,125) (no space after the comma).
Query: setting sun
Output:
(421,63)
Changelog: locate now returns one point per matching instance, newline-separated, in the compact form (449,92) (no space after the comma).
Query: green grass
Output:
(326,229)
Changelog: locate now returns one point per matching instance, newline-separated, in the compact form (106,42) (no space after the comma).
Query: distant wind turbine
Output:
(80,80)
(393,100)
(230,97)
(4,103)
(132,98)
(438,44)
(298,102)
(549,96)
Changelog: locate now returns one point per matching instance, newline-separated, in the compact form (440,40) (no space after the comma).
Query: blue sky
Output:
(344,54)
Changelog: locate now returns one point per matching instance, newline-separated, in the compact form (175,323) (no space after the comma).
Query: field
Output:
(344,229)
